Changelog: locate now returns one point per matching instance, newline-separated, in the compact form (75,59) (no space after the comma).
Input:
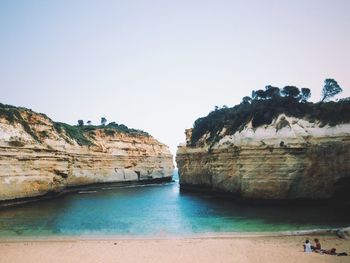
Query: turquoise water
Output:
(158,210)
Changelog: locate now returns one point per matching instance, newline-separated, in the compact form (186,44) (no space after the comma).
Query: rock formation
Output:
(40,157)
(289,159)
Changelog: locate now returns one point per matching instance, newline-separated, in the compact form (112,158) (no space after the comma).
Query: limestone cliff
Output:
(291,158)
(39,156)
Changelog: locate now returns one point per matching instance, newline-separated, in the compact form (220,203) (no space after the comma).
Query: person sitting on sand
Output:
(317,247)
(307,246)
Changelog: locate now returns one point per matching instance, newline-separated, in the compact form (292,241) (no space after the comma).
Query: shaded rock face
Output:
(30,167)
(289,159)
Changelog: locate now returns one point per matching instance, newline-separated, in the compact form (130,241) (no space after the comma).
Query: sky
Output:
(160,65)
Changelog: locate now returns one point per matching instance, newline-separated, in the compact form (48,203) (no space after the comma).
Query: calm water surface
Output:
(158,210)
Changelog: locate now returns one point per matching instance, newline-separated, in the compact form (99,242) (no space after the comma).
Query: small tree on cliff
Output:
(80,123)
(246,100)
(258,94)
(330,89)
(290,91)
(272,92)
(103,121)
(305,94)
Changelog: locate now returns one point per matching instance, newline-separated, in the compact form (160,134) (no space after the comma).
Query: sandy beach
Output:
(232,248)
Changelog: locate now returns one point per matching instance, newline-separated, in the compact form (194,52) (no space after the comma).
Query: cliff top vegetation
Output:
(81,133)
(265,105)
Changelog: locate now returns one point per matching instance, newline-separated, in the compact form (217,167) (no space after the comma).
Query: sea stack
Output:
(39,157)
(270,150)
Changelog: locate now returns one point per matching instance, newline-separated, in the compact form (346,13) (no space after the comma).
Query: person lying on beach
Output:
(330,252)
(334,253)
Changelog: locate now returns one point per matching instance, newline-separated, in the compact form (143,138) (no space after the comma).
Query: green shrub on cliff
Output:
(83,135)
(123,128)
(266,105)
(74,132)
(13,114)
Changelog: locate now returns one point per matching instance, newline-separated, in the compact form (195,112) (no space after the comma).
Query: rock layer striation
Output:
(37,159)
(287,160)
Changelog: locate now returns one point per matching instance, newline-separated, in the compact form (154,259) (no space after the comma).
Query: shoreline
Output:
(336,232)
(81,188)
(201,249)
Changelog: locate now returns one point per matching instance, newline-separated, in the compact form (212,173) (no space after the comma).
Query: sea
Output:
(159,210)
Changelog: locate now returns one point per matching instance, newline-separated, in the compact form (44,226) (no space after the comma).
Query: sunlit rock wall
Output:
(30,167)
(289,159)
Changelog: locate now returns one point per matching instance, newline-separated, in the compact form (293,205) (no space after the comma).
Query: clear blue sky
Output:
(159,65)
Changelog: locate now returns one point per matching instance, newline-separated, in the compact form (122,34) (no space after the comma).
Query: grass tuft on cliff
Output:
(74,132)
(83,135)
(13,114)
(263,107)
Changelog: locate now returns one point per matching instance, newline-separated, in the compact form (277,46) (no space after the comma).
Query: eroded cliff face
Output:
(36,158)
(289,159)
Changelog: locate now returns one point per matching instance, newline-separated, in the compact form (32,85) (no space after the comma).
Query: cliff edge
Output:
(40,157)
(270,150)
